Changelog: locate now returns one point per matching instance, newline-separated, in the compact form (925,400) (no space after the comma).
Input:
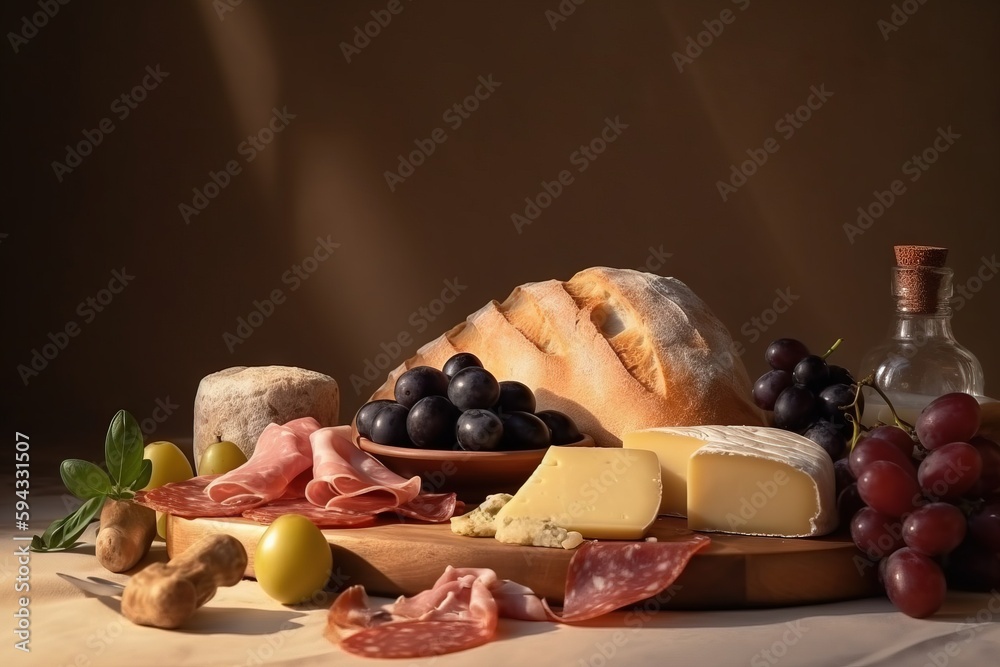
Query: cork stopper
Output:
(920,275)
(920,255)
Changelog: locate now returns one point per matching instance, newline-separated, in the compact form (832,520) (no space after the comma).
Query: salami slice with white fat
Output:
(416,639)
(457,614)
(604,576)
(186,499)
(322,517)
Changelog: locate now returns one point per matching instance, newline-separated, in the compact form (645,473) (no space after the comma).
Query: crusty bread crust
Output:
(615,349)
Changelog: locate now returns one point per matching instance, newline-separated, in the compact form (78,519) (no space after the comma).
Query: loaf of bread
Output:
(615,349)
(236,404)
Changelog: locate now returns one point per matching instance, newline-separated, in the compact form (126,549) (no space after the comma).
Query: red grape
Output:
(971,567)
(984,527)
(949,471)
(934,529)
(842,474)
(889,489)
(784,353)
(915,584)
(874,449)
(849,503)
(769,386)
(876,534)
(989,452)
(950,418)
(895,435)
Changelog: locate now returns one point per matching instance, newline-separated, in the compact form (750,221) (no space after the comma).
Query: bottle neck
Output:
(924,326)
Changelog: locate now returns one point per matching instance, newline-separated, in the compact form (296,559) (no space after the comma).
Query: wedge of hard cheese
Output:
(599,492)
(743,479)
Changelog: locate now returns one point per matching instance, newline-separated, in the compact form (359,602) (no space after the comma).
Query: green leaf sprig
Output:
(127,473)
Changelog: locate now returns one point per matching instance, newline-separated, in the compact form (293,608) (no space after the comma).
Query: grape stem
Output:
(833,348)
(854,410)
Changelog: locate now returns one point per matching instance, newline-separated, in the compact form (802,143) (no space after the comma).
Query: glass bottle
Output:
(920,360)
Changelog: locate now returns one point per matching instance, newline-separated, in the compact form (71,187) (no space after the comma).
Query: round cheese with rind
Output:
(237,403)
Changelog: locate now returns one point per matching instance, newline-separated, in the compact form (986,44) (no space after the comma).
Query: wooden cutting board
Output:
(734,572)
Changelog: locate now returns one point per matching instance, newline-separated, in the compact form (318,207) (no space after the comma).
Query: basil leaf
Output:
(63,533)
(84,479)
(145,474)
(123,449)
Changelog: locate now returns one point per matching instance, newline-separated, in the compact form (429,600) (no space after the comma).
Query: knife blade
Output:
(100,587)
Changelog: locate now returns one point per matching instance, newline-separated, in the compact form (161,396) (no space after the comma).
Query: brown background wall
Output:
(323,175)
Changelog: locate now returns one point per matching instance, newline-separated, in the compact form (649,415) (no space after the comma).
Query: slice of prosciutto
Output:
(281,454)
(347,478)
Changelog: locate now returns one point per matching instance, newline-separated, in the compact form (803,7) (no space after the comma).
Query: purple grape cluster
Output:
(806,395)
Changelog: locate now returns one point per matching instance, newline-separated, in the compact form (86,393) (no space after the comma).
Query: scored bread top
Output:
(615,349)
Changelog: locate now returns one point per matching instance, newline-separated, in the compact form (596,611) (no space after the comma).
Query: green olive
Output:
(221,457)
(161,525)
(169,464)
(293,560)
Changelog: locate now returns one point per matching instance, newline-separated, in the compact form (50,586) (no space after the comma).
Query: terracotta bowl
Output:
(472,475)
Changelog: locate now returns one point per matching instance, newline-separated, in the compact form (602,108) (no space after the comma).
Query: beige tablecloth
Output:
(242,626)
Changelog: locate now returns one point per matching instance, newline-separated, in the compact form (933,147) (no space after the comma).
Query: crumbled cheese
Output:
(536,532)
(481,522)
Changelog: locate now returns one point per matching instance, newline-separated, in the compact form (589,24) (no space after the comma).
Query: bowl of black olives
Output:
(462,430)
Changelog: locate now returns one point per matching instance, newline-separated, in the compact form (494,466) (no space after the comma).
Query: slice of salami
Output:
(186,499)
(604,576)
(322,517)
(416,639)
(464,615)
